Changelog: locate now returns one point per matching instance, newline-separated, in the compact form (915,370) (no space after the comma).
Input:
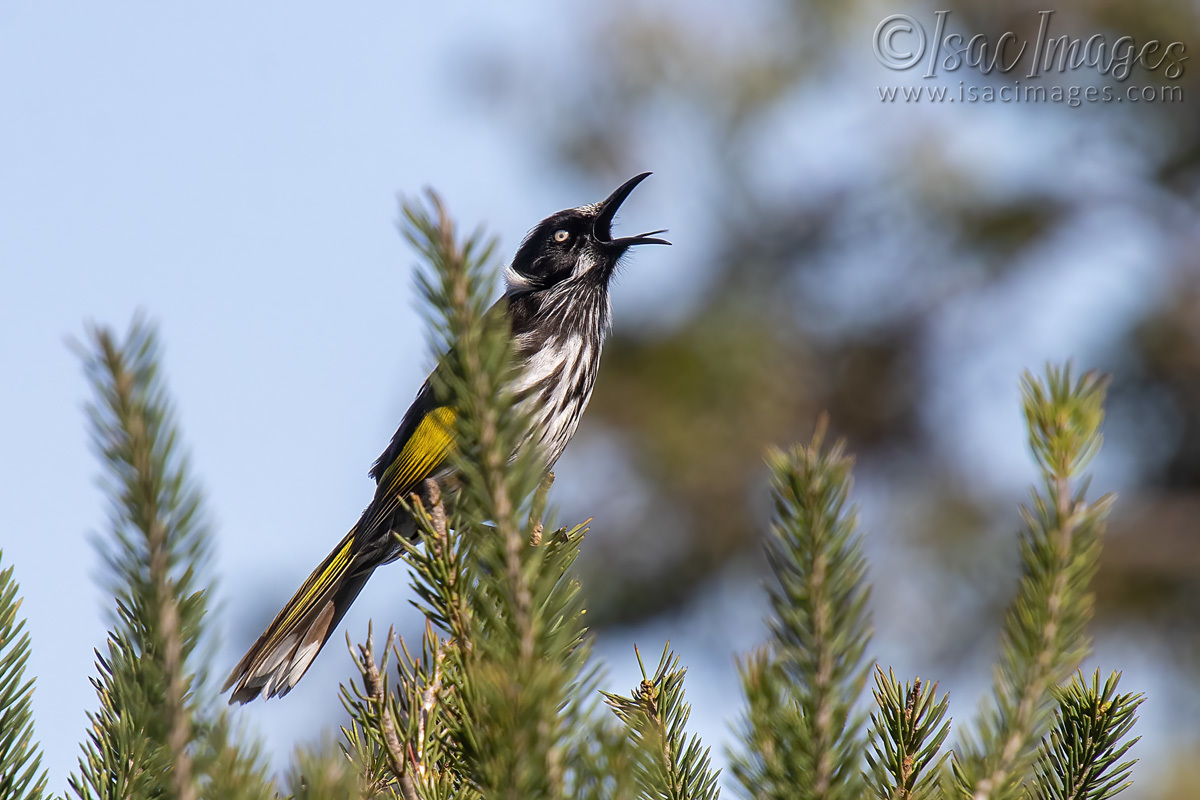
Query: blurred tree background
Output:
(895,264)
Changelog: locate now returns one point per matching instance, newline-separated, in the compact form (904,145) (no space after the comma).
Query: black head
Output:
(575,243)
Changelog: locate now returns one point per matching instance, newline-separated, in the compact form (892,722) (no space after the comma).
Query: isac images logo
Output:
(1050,68)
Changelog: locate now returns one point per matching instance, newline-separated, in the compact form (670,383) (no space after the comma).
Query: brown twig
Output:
(907,731)
(538,509)
(373,682)
(430,694)
(437,511)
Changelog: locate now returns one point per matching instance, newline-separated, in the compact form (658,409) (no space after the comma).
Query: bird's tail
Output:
(288,646)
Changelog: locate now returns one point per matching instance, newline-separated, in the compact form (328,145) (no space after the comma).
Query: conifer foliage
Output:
(804,738)
(1045,631)
(500,698)
(21,773)
(151,726)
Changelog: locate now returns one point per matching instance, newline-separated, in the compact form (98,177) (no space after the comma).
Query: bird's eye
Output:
(561,235)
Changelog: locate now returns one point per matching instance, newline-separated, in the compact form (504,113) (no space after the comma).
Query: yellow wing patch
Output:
(423,451)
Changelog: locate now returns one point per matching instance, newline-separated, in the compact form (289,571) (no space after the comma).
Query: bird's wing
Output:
(421,405)
(418,450)
(423,452)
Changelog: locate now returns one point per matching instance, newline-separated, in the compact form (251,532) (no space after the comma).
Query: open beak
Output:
(602,227)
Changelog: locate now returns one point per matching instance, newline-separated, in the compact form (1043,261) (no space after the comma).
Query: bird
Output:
(557,304)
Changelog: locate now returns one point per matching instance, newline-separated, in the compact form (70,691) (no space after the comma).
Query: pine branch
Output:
(408,735)
(802,739)
(119,759)
(1045,634)
(516,650)
(440,568)
(538,509)
(1080,759)
(152,523)
(21,774)
(150,725)
(603,762)
(325,775)
(402,737)
(670,765)
(906,735)
(230,766)
(375,712)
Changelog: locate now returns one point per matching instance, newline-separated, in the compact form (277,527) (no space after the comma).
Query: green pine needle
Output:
(153,734)
(803,739)
(324,774)
(669,765)
(906,734)
(1080,759)
(505,719)
(1045,631)
(21,773)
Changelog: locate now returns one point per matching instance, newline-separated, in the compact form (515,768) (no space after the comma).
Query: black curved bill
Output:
(602,227)
(642,238)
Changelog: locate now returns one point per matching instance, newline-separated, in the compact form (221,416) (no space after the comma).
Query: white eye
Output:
(561,235)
